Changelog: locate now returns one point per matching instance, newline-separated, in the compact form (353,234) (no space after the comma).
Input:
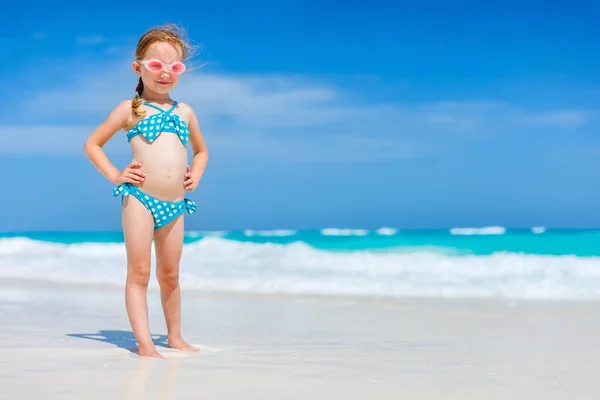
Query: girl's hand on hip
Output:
(131,174)
(188,181)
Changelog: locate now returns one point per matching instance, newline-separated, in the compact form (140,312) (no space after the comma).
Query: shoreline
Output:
(153,289)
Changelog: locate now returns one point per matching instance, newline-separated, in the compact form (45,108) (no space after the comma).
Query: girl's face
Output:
(160,80)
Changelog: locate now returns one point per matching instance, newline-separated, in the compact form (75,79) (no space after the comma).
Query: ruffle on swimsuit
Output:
(163,121)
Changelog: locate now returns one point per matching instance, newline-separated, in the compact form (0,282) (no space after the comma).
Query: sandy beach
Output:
(67,342)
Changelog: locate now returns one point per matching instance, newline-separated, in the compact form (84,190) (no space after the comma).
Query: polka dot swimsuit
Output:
(164,121)
(163,212)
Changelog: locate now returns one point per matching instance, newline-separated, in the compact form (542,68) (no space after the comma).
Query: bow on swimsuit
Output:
(150,128)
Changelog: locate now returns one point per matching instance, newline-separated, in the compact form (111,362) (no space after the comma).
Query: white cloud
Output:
(69,140)
(257,101)
(561,118)
(476,115)
(44,139)
(276,117)
(463,116)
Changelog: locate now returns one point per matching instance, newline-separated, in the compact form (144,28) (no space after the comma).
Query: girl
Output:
(154,184)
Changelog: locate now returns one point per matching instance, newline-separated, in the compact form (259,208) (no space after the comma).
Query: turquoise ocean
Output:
(486,262)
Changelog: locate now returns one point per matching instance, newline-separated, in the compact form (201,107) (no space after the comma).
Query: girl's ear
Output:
(137,68)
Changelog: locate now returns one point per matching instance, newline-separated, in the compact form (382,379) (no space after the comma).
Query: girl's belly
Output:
(164,163)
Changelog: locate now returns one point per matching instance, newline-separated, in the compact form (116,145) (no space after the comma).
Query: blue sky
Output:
(320,114)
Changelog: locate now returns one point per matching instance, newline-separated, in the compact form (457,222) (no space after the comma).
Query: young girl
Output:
(154,184)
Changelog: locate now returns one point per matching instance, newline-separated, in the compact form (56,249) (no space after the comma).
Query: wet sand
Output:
(69,342)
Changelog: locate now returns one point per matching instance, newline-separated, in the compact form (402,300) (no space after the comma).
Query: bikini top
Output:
(164,121)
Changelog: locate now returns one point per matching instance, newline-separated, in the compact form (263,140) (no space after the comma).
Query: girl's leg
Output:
(168,242)
(138,227)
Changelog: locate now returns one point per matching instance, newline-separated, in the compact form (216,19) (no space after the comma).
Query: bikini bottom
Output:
(162,212)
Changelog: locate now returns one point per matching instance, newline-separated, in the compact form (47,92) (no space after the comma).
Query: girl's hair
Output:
(169,33)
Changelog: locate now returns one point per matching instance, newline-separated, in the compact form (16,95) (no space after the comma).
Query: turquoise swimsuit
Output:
(150,128)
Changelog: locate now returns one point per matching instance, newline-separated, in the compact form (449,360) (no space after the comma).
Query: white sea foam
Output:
(384,231)
(224,265)
(538,229)
(344,232)
(194,234)
(486,230)
(275,232)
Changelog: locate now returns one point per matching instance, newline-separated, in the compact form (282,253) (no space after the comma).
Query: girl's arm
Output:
(200,151)
(118,119)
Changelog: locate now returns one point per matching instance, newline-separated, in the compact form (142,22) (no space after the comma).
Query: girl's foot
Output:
(149,353)
(180,344)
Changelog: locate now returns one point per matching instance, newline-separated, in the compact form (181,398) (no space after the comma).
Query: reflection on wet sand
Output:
(138,386)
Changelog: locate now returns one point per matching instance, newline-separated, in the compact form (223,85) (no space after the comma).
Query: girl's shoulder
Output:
(183,106)
(125,110)
(124,107)
(185,109)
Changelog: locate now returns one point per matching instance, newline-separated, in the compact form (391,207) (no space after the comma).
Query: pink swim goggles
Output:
(155,65)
